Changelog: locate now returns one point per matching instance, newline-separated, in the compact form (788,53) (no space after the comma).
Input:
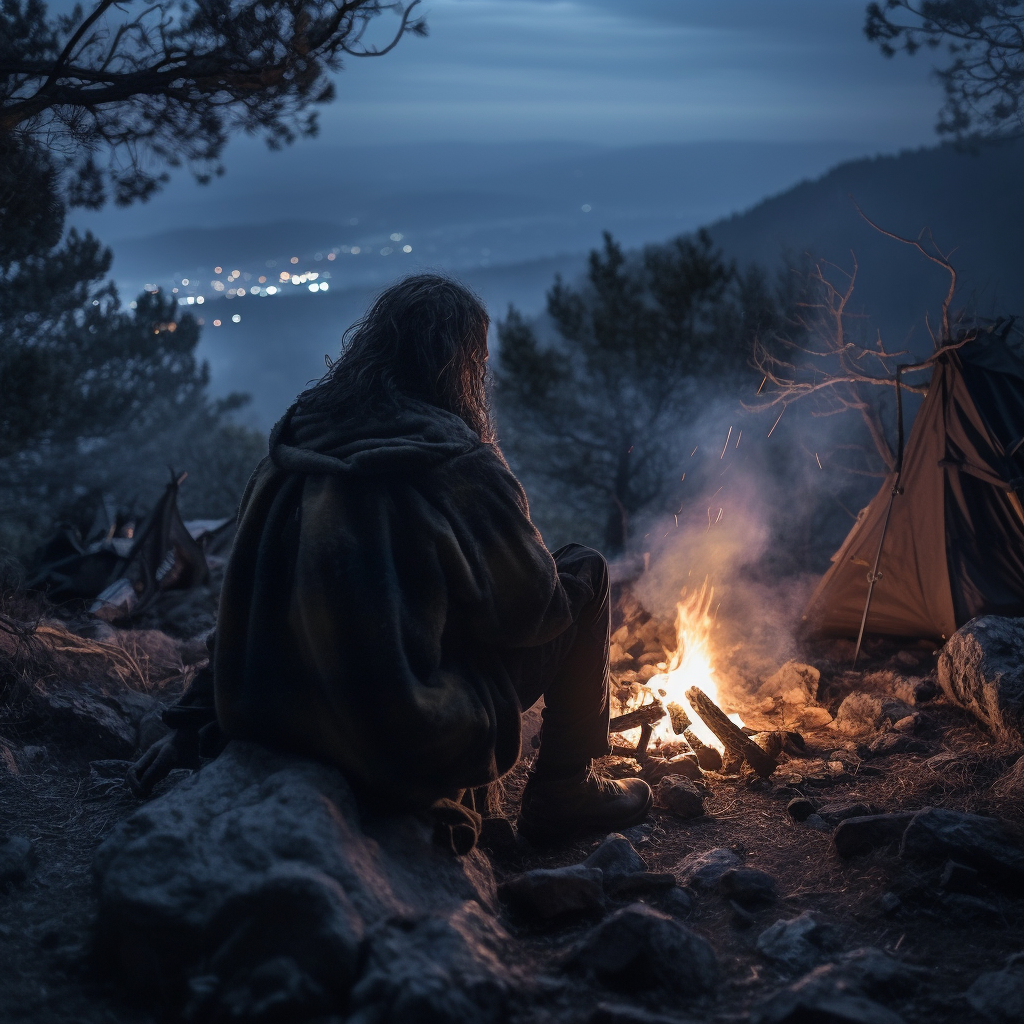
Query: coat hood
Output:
(403,438)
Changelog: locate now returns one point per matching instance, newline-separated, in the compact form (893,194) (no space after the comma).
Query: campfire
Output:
(671,709)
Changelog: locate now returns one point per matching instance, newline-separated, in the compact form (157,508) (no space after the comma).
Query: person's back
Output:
(388,605)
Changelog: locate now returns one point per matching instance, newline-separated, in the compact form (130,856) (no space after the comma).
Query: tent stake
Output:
(874,576)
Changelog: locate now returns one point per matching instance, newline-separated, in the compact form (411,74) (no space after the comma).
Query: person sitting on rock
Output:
(389,606)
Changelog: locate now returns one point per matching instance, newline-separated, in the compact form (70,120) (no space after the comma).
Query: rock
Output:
(981,668)
(999,995)
(676,902)
(797,1006)
(797,944)
(81,718)
(800,808)
(859,714)
(702,870)
(834,813)
(257,882)
(17,859)
(958,877)
(983,843)
(816,821)
(812,717)
(894,743)
(896,711)
(859,835)
(683,798)
(748,886)
(549,893)
(616,1013)
(615,856)
(638,949)
(795,683)
(686,766)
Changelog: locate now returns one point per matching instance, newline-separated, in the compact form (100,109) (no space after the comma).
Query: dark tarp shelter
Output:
(954,546)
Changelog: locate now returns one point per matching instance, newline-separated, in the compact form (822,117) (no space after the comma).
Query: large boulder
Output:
(981,668)
(254,888)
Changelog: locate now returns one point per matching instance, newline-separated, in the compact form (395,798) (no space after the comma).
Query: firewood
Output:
(734,739)
(680,719)
(646,715)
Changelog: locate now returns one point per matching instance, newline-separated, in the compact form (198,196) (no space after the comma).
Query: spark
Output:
(776,423)
(762,385)
(694,452)
(682,478)
(726,445)
(739,437)
(676,518)
(719,519)
(816,459)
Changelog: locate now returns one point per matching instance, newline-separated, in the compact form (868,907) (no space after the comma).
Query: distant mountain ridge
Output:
(973,204)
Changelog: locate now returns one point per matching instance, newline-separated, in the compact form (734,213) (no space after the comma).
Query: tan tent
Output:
(954,544)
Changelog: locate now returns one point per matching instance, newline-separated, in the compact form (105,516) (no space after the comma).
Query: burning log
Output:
(646,715)
(644,718)
(707,757)
(736,742)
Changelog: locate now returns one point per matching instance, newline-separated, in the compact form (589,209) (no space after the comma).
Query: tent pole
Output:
(874,576)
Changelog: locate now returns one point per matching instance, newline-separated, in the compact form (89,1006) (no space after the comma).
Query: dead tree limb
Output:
(733,738)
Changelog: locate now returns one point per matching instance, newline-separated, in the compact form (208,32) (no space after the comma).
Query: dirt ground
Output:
(66,806)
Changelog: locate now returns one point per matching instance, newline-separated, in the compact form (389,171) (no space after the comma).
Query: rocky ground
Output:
(876,876)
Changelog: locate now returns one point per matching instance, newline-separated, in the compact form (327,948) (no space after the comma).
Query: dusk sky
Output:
(609,72)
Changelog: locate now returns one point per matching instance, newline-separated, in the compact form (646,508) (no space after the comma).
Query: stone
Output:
(859,714)
(638,949)
(796,944)
(812,717)
(834,813)
(800,808)
(256,883)
(981,669)
(860,835)
(894,743)
(703,869)
(17,860)
(79,716)
(617,1013)
(816,821)
(616,856)
(685,799)
(748,886)
(685,766)
(795,683)
(813,1007)
(999,996)
(677,902)
(983,843)
(957,877)
(549,893)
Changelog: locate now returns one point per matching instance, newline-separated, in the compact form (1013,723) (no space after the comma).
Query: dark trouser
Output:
(571,671)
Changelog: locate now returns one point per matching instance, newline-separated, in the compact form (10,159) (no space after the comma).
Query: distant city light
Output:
(406,248)
(218,270)
(271,290)
(236,273)
(294,259)
(314,287)
(319,256)
(254,290)
(313,276)
(133,304)
(386,251)
(184,281)
(396,236)
(237,318)
(218,286)
(355,250)
(199,300)
(190,300)
(174,291)
(586,207)
(263,280)
(330,256)
(216,323)
(324,286)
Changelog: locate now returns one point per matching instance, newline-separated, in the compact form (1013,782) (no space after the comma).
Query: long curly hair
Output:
(424,338)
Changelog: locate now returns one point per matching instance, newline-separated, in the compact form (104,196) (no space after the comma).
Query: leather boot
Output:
(554,809)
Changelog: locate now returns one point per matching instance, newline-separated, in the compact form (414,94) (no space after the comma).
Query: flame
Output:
(691,664)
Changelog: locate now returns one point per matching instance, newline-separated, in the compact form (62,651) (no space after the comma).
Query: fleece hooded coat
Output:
(381,572)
